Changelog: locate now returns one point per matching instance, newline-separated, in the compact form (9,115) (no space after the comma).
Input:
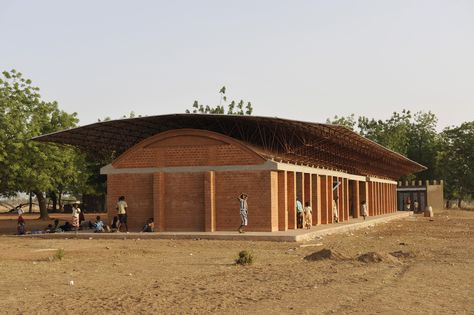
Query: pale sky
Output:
(305,60)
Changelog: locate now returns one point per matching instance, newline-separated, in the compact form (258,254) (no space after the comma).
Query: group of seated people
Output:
(98,226)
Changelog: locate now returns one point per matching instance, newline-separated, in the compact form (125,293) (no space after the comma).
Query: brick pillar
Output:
(330,193)
(370,200)
(346,199)
(274,196)
(356,199)
(316,198)
(377,195)
(308,187)
(395,198)
(210,201)
(300,186)
(367,197)
(282,201)
(323,179)
(340,201)
(159,201)
(291,186)
(382,197)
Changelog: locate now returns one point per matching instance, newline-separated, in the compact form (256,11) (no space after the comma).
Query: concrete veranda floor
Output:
(299,235)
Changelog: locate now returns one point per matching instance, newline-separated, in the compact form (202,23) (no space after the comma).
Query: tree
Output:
(348,121)
(456,158)
(232,108)
(392,133)
(424,144)
(26,165)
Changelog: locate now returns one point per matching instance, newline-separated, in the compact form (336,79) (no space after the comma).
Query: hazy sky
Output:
(306,60)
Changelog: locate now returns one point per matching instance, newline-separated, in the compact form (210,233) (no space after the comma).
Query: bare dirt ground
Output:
(430,271)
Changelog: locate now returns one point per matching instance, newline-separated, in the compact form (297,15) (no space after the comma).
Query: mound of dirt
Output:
(325,254)
(402,254)
(375,257)
(371,257)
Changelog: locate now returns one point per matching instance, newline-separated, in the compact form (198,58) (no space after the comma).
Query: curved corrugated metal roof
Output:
(324,145)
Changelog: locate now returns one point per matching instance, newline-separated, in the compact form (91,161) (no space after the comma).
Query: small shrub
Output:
(245,258)
(59,255)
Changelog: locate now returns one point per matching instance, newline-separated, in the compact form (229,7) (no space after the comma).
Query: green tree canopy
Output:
(448,155)
(30,166)
(233,108)
(456,161)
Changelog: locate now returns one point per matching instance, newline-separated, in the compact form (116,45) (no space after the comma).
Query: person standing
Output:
(122,213)
(335,210)
(243,212)
(20,223)
(299,214)
(75,215)
(365,212)
(308,215)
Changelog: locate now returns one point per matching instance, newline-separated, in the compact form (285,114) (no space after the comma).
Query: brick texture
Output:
(187,148)
(138,191)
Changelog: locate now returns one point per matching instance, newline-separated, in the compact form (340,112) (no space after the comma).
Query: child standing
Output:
(75,215)
(308,215)
(365,212)
(20,223)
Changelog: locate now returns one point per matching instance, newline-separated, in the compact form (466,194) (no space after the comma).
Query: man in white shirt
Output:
(122,213)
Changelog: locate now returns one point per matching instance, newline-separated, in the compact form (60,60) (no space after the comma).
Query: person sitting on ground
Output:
(20,223)
(149,226)
(56,227)
(66,227)
(98,225)
(114,225)
(49,229)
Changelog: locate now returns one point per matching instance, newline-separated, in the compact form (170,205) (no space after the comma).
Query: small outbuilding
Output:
(187,170)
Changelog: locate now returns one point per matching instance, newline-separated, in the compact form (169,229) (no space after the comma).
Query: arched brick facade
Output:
(187,147)
(177,200)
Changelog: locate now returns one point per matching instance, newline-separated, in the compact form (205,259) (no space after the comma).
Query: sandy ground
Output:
(433,273)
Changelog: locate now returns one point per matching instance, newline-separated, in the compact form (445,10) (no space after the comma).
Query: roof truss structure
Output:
(312,144)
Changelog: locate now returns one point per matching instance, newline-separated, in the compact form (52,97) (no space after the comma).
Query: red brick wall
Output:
(187,147)
(138,192)
(257,185)
(179,198)
(184,202)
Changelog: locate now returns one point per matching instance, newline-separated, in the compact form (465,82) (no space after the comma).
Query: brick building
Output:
(186,170)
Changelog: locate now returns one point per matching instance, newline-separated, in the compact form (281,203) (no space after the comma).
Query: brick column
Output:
(282,201)
(346,199)
(210,201)
(323,179)
(330,193)
(299,186)
(377,189)
(291,186)
(316,199)
(340,201)
(395,198)
(356,199)
(308,188)
(159,201)
(370,201)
